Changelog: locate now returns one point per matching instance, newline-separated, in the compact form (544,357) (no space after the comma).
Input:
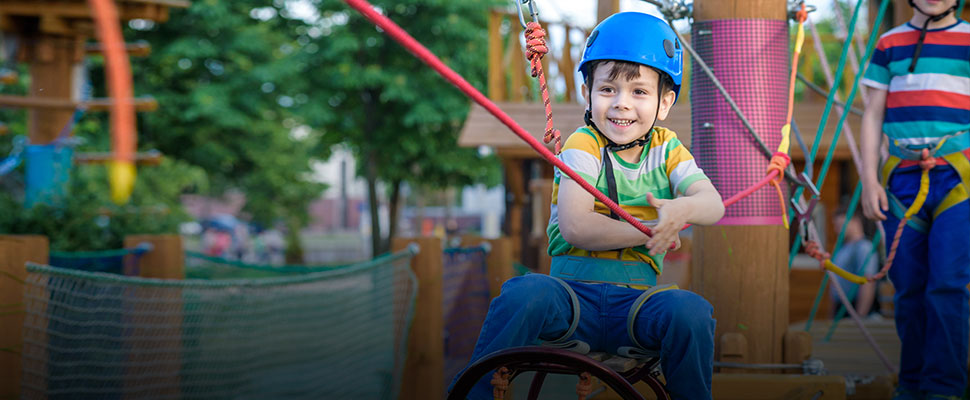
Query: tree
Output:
(399,117)
(228,79)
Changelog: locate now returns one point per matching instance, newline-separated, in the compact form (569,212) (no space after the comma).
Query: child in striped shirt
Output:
(919,80)
(601,293)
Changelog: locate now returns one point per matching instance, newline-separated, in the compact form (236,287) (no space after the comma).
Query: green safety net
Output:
(338,333)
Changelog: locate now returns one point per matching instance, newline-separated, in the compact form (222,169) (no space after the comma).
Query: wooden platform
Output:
(848,352)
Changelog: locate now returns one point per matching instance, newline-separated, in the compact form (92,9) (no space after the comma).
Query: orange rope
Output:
(500,383)
(536,48)
(779,161)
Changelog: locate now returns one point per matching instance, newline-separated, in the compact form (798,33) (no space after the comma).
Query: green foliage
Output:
(87,220)
(385,104)
(227,84)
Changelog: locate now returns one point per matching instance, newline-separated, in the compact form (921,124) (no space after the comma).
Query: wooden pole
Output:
(52,60)
(15,252)
(605,8)
(424,367)
(166,260)
(742,269)
(161,308)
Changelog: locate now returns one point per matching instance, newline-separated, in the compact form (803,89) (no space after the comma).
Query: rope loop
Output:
(535,46)
(779,161)
(815,250)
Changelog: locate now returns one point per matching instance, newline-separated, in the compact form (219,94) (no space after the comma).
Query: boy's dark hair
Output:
(629,70)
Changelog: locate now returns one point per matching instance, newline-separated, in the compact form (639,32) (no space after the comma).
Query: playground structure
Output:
(733,346)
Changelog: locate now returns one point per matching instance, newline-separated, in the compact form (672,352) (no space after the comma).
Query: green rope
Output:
(94,254)
(200,283)
(297,268)
(854,289)
(838,245)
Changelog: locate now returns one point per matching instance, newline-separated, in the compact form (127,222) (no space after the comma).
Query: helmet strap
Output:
(922,32)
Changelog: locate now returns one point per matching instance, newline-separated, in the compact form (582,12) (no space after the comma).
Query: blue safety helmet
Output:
(639,38)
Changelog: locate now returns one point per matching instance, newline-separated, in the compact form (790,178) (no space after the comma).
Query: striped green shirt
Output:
(666,169)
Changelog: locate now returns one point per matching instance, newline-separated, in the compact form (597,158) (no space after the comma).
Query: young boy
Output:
(632,70)
(920,97)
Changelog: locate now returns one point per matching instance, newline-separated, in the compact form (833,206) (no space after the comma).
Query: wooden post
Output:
(424,367)
(15,252)
(496,74)
(162,307)
(742,269)
(605,8)
(541,191)
(798,347)
(498,263)
(52,60)
(166,260)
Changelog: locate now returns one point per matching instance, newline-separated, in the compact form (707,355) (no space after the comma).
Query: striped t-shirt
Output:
(931,102)
(666,168)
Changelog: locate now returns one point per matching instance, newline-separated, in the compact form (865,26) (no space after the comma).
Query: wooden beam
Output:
(742,269)
(137,49)
(15,252)
(164,261)
(424,368)
(144,103)
(496,74)
(605,8)
(127,9)
(151,157)
(498,263)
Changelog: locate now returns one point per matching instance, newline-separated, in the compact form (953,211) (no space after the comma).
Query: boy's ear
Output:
(585,95)
(666,103)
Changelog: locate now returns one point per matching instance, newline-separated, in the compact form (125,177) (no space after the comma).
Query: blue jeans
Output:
(536,308)
(931,272)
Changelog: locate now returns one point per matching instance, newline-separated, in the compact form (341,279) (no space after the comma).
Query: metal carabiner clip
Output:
(532,11)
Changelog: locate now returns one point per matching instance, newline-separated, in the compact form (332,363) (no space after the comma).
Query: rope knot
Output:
(779,161)
(551,135)
(813,249)
(535,45)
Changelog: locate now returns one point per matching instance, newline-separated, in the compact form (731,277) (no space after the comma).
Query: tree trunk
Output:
(394,211)
(294,247)
(377,247)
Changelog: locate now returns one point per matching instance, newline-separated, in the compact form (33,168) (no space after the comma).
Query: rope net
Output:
(465,302)
(336,334)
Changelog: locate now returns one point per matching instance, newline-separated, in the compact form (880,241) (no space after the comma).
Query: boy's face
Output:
(624,109)
(934,7)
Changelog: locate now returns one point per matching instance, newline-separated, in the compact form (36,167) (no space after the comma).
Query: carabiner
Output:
(532,11)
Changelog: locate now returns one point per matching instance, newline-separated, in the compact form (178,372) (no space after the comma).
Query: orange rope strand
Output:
(536,48)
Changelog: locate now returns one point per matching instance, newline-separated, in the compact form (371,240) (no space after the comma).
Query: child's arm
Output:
(700,204)
(587,229)
(874,202)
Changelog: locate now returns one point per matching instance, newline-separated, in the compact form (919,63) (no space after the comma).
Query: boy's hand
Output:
(874,202)
(673,215)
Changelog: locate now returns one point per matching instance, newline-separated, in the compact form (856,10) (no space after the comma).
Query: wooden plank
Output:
(541,191)
(151,157)
(127,9)
(136,49)
(739,9)
(515,185)
(496,74)
(761,387)
(65,105)
(15,252)
(517,68)
(52,79)
(424,368)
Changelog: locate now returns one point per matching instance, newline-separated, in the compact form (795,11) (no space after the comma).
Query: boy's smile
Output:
(625,109)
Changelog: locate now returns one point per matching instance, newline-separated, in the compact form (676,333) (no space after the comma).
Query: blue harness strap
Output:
(578,346)
(602,270)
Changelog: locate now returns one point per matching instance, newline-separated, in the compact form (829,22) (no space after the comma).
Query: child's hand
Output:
(874,201)
(673,216)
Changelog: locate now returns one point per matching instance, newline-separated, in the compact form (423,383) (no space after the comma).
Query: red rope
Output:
(425,55)
(535,45)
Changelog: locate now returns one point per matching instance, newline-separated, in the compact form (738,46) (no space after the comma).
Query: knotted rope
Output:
(535,47)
